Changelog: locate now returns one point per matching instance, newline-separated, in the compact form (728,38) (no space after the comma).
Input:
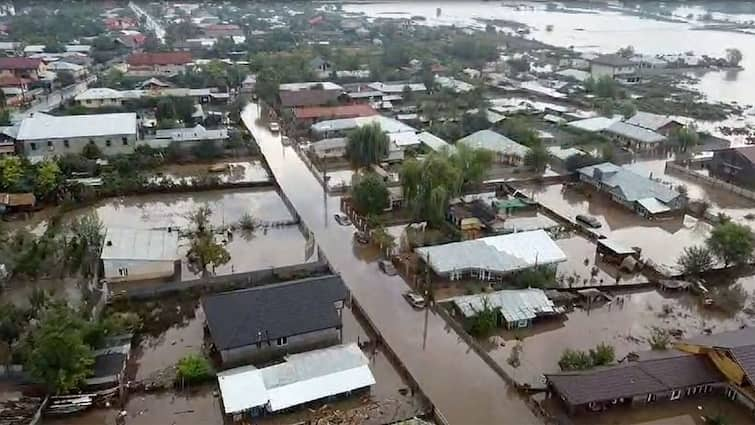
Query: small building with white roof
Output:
(506,151)
(493,257)
(187,138)
(515,308)
(139,254)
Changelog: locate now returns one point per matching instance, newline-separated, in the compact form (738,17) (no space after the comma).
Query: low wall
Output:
(220,283)
(718,183)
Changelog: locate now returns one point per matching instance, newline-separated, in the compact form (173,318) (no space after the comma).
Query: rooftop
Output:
(334,112)
(19,63)
(300,379)
(313,97)
(492,141)
(389,125)
(634,132)
(396,87)
(612,60)
(434,142)
(240,318)
(594,124)
(649,120)
(140,245)
(192,134)
(632,186)
(515,304)
(502,254)
(99,93)
(322,85)
(42,126)
(746,151)
(161,58)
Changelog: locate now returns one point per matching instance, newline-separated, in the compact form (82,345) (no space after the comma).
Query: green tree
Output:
(91,151)
(574,360)
(473,163)
(627,109)
(11,172)
(732,243)
(66,79)
(429,185)
(193,368)
(384,240)
(47,178)
(204,249)
(607,87)
(537,157)
(367,145)
(58,355)
(520,131)
(695,260)
(687,137)
(370,194)
(484,321)
(605,106)
(733,56)
(603,354)
(12,321)
(659,339)
(407,95)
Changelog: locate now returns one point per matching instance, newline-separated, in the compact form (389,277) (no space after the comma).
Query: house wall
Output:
(132,270)
(101,103)
(270,351)
(732,167)
(642,399)
(155,70)
(109,145)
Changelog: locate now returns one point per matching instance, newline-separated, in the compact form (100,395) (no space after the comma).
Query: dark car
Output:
(589,221)
(387,268)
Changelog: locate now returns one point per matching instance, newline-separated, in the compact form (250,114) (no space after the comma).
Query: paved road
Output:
(151,23)
(45,103)
(459,383)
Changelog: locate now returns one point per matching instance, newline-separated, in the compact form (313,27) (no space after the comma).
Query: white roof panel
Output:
(406,138)
(242,389)
(594,124)
(140,244)
(653,206)
(43,126)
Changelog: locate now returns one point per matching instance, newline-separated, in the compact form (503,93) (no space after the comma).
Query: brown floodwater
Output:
(234,171)
(581,260)
(661,241)
(459,383)
(625,325)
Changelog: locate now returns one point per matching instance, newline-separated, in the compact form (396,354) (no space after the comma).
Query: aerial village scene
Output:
(414,212)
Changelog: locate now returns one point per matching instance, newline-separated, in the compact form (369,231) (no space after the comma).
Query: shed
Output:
(517,307)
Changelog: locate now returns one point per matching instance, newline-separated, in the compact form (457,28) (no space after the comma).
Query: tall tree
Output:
(367,145)
(733,56)
(47,178)
(11,172)
(428,186)
(204,249)
(537,157)
(370,194)
(732,243)
(473,163)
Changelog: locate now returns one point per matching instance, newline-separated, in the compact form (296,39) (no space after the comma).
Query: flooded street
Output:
(428,348)
(596,30)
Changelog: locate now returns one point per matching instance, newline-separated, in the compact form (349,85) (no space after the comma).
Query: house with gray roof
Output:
(515,308)
(267,322)
(645,196)
(663,124)
(617,67)
(505,150)
(634,137)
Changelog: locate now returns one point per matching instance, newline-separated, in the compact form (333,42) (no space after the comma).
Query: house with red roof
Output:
(20,67)
(133,40)
(157,63)
(308,115)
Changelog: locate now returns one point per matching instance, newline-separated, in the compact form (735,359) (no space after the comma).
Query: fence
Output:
(749,194)
(222,283)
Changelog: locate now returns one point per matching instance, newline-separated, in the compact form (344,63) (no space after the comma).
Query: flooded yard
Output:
(624,325)
(226,171)
(662,241)
(584,268)
(339,178)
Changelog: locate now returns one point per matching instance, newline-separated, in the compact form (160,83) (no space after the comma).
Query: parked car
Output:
(342,219)
(589,221)
(362,237)
(415,299)
(285,141)
(274,127)
(387,267)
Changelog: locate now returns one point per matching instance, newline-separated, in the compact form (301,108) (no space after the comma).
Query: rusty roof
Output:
(19,63)
(334,112)
(308,97)
(635,378)
(160,58)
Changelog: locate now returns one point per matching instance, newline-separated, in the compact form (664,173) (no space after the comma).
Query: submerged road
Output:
(457,381)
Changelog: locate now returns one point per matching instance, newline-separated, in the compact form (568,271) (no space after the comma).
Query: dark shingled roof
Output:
(635,378)
(240,318)
(741,344)
(314,97)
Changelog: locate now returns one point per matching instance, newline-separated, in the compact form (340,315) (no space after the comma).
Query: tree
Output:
(732,243)
(537,157)
(574,360)
(66,79)
(384,240)
(47,178)
(520,131)
(626,52)
(429,185)
(659,338)
(370,194)
(484,321)
(733,56)
(687,137)
(11,172)
(606,86)
(473,163)
(407,95)
(91,151)
(193,368)
(627,109)
(204,249)
(577,161)
(11,322)
(606,107)
(603,354)
(695,260)
(58,355)
(207,149)
(367,145)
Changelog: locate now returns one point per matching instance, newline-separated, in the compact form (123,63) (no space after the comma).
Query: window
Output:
(125,141)
(33,146)
(66,144)
(123,271)
(107,143)
(522,323)
(282,341)
(651,398)
(49,143)
(676,395)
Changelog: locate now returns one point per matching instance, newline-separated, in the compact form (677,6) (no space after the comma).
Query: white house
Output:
(614,66)
(139,254)
(46,136)
(187,137)
(100,97)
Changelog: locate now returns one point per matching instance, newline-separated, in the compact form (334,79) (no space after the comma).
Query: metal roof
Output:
(515,304)
(243,317)
(140,245)
(502,254)
(43,126)
(632,186)
(326,85)
(396,87)
(389,125)
(634,132)
(653,206)
(453,84)
(98,93)
(594,124)
(649,120)
(434,142)
(492,141)
(195,133)
(564,153)
(405,138)
(300,379)
(616,246)
(525,224)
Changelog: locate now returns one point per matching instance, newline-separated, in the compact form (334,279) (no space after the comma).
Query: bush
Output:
(485,321)
(575,360)
(659,338)
(193,368)
(602,354)
(207,149)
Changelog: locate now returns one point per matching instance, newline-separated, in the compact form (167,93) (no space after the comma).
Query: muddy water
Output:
(661,240)
(577,270)
(626,327)
(458,382)
(234,171)
(603,32)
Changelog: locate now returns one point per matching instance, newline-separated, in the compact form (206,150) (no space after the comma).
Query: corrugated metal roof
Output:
(653,206)
(649,120)
(43,126)
(503,253)
(434,142)
(634,187)
(594,124)
(634,132)
(140,244)
(515,304)
(300,379)
(388,125)
(495,142)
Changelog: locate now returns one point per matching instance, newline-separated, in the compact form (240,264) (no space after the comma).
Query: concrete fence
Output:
(699,177)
